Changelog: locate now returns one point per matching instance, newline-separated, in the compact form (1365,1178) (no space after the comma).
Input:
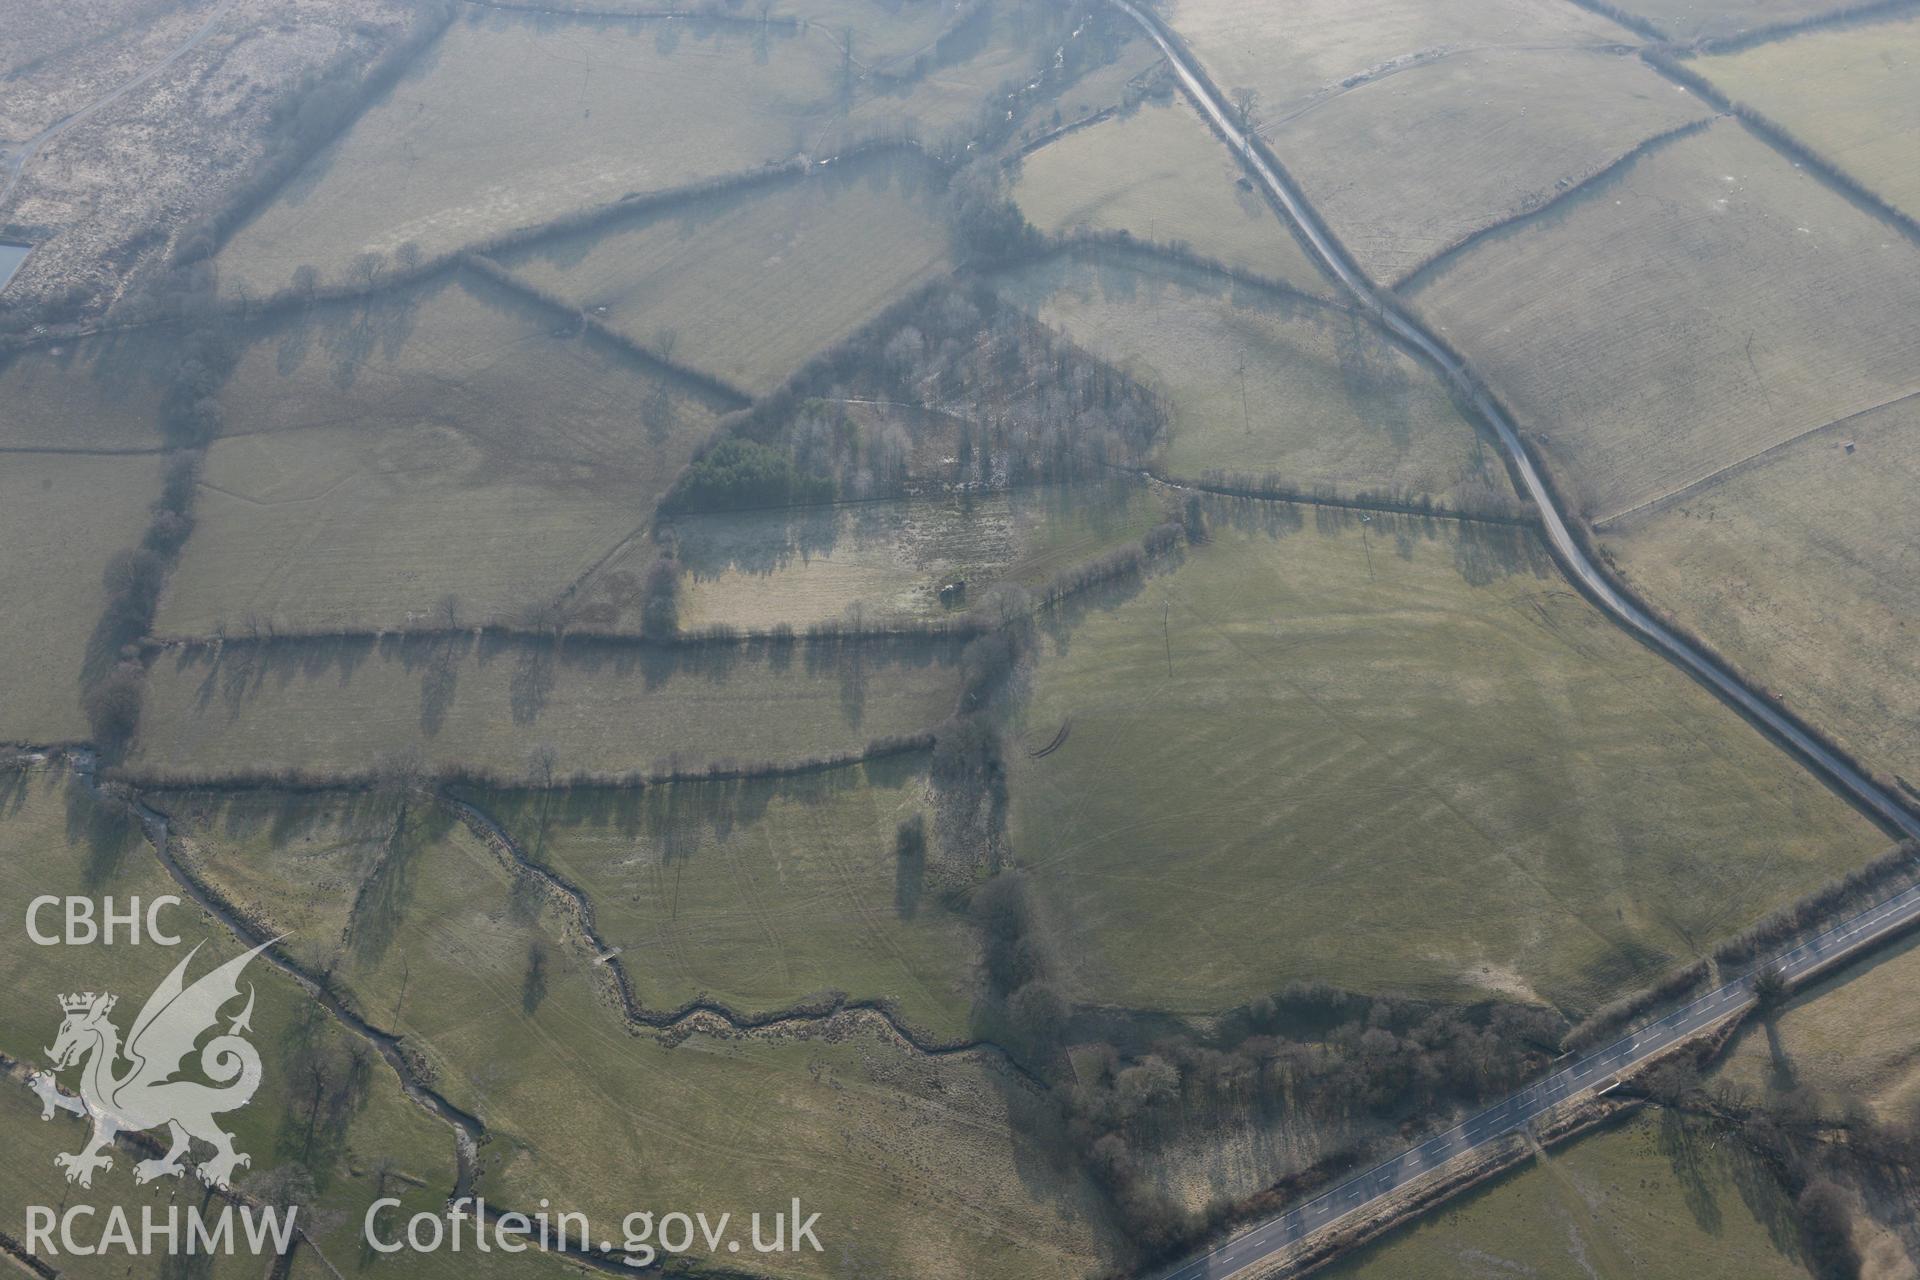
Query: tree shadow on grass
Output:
(108,831)
(386,895)
(1689,1146)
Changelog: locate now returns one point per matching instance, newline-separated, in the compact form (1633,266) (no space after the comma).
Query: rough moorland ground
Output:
(749,285)
(1258,381)
(57,57)
(1394,756)
(1798,568)
(116,190)
(1699,306)
(1158,174)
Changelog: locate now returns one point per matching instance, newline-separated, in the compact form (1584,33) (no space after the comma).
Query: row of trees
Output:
(113,677)
(1836,1158)
(952,372)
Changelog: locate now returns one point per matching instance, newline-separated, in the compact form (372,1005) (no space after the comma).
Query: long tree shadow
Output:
(1689,1146)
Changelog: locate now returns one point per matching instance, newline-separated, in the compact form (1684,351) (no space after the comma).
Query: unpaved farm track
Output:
(32,147)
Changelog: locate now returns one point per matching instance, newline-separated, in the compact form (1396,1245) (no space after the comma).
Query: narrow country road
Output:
(18,163)
(1856,786)
(1595,1070)
(1586,1074)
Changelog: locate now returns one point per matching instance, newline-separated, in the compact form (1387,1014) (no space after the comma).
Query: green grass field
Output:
(1456,144)
(1136,64)
(1322,43)
(1851,92)
(1000,51)
(101,392)
(749,285)
(919,1166)
(1159,174)
(78,847)
(1259,382)
(1650,1198)
(758,895)
(1723,19)
(441,443)
(887,34)
(890,559)
(509,121)
(1700,307)
(1797,568)
(56,549)
(603,707)
(764,894)
(1395,757)
(1854,1037)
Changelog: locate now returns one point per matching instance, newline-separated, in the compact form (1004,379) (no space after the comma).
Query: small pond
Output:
(11,256)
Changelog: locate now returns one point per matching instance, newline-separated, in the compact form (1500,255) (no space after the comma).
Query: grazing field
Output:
(1704,304)
(511,120)
(80,847)
(1853,1038)
(749,285)
(339,527)
(1263,382)
(1799,569)
(1850,92)
(443,444)
(96,393)
(758,569)
(28,1177)
(887,34)
(607,707)
(1159,175)
(762,895)
(57,547)
(1709,20)
(919,1166)
(1003,48)
(1409,165)
(1136,69)
(1394,756)
(1325,47)
(1652,1198)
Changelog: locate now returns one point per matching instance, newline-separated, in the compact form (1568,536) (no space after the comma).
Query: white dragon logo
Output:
(147,1096)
